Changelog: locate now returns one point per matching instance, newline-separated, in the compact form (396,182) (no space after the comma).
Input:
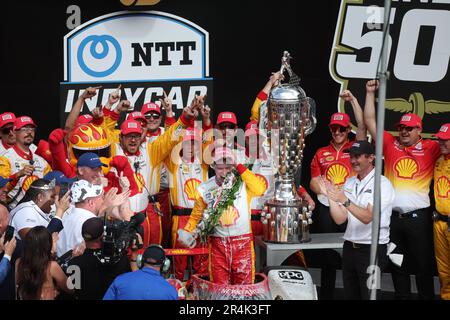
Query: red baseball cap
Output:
(130,126)
(410,120)
(227,116)
(444,132)
(340,118)
(7,117)
(190,134)
(251,128)
(150,107)
(136,115)
(22,122)
(84,119)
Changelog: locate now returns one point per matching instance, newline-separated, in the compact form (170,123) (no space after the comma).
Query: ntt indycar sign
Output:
(146,52)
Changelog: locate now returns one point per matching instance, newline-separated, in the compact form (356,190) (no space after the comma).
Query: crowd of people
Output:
(195,184)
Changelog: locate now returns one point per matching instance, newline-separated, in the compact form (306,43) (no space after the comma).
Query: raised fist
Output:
(57,136)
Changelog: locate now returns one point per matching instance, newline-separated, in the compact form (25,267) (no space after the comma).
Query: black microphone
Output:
(136,166)
(31,162)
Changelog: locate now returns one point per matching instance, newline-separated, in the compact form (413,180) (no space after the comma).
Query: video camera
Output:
(117,238)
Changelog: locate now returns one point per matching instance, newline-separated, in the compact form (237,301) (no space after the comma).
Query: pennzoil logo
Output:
(406,168)
(419,53)
(189,188)
(337,173)
(229,217)
(443,187)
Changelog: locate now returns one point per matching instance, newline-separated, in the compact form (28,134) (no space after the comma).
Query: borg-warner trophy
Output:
(291,117)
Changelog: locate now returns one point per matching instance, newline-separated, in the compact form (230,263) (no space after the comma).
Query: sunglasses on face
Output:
(152,116)
(340,128)
(6,131)
(409,129)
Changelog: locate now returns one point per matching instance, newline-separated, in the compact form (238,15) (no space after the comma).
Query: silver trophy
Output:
(290,118)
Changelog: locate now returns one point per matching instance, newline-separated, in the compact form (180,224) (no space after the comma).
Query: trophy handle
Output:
(310,106)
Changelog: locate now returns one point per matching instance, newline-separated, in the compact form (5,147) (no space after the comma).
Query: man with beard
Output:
(20,163)
(409,161)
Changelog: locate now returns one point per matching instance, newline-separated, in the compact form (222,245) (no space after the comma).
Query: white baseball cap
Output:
(81,190)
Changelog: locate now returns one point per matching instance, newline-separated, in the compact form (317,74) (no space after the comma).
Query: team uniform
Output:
(184,178)
(230,247)
(410,170)
(441,226)
(358,236)
(12,162)
(147,170)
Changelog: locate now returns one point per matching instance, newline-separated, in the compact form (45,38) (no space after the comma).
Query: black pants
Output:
(413,236)
(327,259)
(355,262)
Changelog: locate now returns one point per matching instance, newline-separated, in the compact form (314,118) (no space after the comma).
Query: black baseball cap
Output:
(154,254)
(92,229)
(360,147)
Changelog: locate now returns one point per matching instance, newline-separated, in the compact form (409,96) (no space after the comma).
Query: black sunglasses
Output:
(409,129)
(152,115)
(6,131)
(341,128)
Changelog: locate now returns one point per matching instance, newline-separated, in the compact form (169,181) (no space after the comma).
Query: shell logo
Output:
(338,173)
(190,186)
(140,181)
(28,181)
(443,187)
(229,217)
(406,168)
(262,179)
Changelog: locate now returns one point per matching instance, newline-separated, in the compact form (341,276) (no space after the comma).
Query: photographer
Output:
(96,276)
(145,284)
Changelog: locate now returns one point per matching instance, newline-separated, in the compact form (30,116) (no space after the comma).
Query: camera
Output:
(117,238)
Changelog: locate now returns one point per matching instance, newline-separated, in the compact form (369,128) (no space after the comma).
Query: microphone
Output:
(136,166)
(31,162)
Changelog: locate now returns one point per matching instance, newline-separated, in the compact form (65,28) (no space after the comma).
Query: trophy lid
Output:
(286,92)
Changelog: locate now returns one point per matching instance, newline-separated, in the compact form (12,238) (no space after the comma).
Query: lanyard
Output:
(363,188)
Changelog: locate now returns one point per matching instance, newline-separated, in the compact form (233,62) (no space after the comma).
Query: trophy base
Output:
(286,222)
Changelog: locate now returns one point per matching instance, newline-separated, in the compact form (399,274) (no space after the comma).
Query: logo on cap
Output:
(6,117)
(406,118)
(226,116)
(25,119)
(338,117)
(444,128)
(132,125)
(356,144)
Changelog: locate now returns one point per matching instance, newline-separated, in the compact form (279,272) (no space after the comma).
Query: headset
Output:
(164,263)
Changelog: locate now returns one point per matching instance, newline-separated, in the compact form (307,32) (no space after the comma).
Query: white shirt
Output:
(361,193)
(235,221)
(70,237)
(28,215)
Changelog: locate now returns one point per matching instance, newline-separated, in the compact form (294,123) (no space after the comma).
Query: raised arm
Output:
(76,109)
(262,96)
(361,130)
(369,108)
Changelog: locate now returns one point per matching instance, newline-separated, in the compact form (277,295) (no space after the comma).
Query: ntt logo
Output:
(104,50)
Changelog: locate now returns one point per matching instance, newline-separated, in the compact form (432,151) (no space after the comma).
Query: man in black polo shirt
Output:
(96,277)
